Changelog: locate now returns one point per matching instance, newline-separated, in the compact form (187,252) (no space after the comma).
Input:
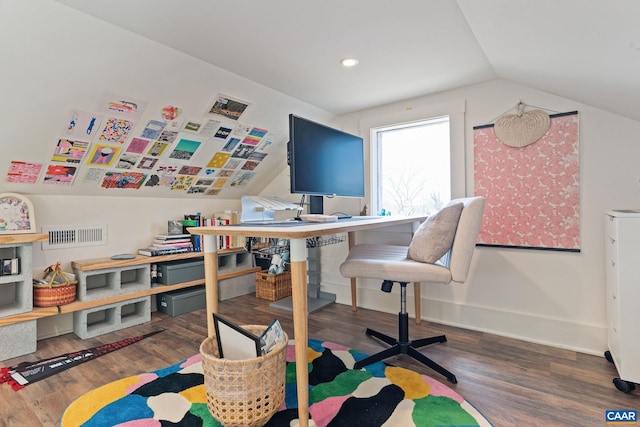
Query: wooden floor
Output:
(513,383)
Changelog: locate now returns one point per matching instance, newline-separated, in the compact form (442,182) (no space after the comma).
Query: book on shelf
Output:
(237,343)
(172,237)
(155,251)
(172,243)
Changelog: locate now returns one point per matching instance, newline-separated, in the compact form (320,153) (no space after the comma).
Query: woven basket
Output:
(273,286)
(53,293)
(244,393)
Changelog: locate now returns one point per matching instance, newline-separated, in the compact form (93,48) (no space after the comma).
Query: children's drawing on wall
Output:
(157,148)
(244,151)
(241,179)
(184,151)
(123,180)
(82,125)
(168,136)
(218,160)
(68,151)
(170,112)
(93,175)
(153,129)
(103,155)
(137,145)
(127,161)
(147,163)
(182,182)
(116,130)
(122,105)
(231,145)
(226,106)
(59,174)
(23,172)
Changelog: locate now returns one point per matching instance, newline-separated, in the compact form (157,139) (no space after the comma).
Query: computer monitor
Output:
(324,161)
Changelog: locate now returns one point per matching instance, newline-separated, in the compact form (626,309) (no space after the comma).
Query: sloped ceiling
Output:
(586,51)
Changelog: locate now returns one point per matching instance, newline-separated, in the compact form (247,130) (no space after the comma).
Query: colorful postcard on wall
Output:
(223,132)
(265,144)
(103,155)
(59,174)
(196,189)
(242,178)
(218,160)
(189,170)
(212,191)
(182,182)
(244,151)
(203,182)
(93,175)
(251,140)
(127,161)
(206,172)
(240,131)
(225,173)
(167,169)
(23,172)
(192,126)
(137,145)
(258,133)
(116,130)
(153,129)
(257,156)
(123,180)
(231,145)
(228,107)
(157,148)
(220,182)
(147,163)
(233,163)
(82,125)
(122,105)
(162,181)
(184,151)
(68,151)
(250,165)
(168,136)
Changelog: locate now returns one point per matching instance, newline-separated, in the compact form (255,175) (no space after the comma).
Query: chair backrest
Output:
(464,242)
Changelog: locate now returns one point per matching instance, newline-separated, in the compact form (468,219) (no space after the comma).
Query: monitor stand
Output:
(316,299)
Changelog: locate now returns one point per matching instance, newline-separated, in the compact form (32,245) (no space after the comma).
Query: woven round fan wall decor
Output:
(523,128)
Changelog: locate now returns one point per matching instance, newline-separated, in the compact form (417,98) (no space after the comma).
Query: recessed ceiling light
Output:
(349,62)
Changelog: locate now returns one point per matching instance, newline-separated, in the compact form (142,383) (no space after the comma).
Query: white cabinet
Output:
(622,252)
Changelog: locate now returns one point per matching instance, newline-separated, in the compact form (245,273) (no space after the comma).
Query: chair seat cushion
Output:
(434,237)
(389,262)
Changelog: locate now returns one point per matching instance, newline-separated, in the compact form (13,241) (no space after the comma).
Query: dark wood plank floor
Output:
(513,383)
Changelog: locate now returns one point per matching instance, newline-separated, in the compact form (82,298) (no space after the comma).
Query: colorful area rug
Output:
(378,395)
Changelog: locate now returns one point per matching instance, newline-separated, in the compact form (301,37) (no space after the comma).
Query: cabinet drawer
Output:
(611,226)
(611,248)
(612,277)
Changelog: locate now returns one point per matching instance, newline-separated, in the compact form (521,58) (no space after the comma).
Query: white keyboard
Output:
(318,218)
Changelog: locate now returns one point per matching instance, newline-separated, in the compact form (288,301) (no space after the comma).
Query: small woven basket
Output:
(244,393)
(60,290)
(273,286)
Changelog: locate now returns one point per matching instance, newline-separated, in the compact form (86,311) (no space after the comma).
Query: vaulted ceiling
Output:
(588,51)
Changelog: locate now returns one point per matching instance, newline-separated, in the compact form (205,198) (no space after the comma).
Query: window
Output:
(411,167)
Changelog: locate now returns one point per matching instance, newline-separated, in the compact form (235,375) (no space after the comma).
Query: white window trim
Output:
(454,109)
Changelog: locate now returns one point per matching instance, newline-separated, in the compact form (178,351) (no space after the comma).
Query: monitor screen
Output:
(324,161)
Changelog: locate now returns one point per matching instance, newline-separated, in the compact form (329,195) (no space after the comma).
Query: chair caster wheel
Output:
(607,355)
(624,386)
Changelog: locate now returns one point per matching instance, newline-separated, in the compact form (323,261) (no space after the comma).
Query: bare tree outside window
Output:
(413,167)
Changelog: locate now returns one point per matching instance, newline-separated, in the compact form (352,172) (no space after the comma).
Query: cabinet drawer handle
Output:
(612,240)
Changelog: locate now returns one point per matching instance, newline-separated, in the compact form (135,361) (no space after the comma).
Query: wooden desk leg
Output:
(211,278)
(418,301)
(354,294)
(300,325)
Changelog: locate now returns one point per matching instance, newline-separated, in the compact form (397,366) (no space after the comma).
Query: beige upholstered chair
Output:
(439,252)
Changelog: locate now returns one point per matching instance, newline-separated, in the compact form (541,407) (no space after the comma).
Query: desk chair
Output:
(439,252)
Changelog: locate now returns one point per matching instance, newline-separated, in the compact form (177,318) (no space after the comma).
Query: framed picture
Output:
(228,107)
(235,342)
(16,214)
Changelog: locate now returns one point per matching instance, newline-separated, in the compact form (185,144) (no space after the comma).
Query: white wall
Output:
(549,297)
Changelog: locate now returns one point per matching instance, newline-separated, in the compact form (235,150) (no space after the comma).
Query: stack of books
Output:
(167,244)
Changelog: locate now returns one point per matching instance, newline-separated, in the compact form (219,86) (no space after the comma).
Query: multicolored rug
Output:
(378,395)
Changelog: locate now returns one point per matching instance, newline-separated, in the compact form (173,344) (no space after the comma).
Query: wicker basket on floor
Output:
(273,286)
(244,393)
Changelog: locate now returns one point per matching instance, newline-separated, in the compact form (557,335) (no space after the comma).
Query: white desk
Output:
(297,233)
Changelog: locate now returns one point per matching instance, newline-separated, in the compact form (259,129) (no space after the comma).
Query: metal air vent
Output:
(74,236)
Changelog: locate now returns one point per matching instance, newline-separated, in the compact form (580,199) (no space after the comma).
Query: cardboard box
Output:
(181,301)
(170,273)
